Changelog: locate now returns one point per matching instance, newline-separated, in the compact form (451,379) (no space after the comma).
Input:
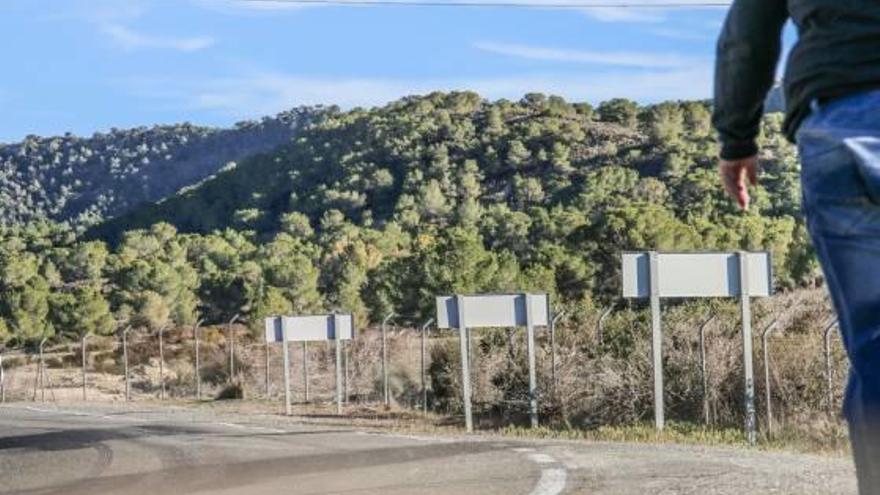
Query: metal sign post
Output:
(748,370)
(656,341)
(275,333)
(335,327)
(530,347)
(465,364)
(337,323)
(656,275)
(494,310)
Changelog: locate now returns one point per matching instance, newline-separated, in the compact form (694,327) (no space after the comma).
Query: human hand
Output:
(734,174)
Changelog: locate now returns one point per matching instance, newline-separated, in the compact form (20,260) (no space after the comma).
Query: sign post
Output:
(656,275)
(656,341)
(494,310)
(530,348)
(337,324)
(748,370)
(465,364)
(285,329)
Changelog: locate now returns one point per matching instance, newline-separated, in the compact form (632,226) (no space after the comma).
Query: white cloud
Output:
(238,7)
(256,94)
(131,40)
(622,14)
(647,13)
(624,59)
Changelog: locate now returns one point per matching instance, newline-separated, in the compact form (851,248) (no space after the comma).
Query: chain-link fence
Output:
(602,373)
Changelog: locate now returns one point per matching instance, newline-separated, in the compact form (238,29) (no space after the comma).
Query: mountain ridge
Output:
(85,180)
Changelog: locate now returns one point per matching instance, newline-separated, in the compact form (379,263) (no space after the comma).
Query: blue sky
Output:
(88,65)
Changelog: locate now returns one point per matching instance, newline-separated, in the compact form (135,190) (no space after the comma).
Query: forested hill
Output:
(368,211)
(85,180)
(537,178)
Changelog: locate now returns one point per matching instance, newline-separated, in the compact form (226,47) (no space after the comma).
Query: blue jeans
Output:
(839,144)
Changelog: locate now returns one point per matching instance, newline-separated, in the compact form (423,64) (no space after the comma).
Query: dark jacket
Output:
(837,53)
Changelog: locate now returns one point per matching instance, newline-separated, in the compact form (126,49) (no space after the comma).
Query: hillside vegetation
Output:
(82,181)
(370,211)
(373,210)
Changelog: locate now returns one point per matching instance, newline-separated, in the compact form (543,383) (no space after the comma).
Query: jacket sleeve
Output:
(747,54)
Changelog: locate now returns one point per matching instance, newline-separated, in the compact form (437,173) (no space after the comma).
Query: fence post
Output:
(125,362)
(42,372)
(386,398)
(553,376)
(197,363)
(231,337)
(266,351)
(765,336)
(828,370)
(704,377)
(161,363)
(305,360)
(286,359)
(346,355)
(2,380)
(600,325)
(424,377)
(82,347)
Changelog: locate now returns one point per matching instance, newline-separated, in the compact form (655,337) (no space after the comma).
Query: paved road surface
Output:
(72,451)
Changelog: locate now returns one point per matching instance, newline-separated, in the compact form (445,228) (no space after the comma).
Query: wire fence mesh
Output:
(603,372)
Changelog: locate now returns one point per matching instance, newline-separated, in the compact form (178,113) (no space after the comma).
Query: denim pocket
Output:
(866,154)
(836,199)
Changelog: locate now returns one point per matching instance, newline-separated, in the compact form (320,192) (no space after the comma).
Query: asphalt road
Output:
(71,451)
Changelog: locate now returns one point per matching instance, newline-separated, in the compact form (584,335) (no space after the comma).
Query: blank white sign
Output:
(696,275)
(493,310)
(309,328)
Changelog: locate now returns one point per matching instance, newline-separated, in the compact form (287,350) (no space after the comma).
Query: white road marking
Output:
(552,482)
(553,473)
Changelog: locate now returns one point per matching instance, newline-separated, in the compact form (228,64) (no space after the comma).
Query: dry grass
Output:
(603,389)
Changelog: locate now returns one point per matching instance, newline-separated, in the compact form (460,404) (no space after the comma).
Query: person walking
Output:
(832,89)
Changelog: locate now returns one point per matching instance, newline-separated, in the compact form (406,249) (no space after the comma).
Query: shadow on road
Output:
(197,478)
(89,437)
